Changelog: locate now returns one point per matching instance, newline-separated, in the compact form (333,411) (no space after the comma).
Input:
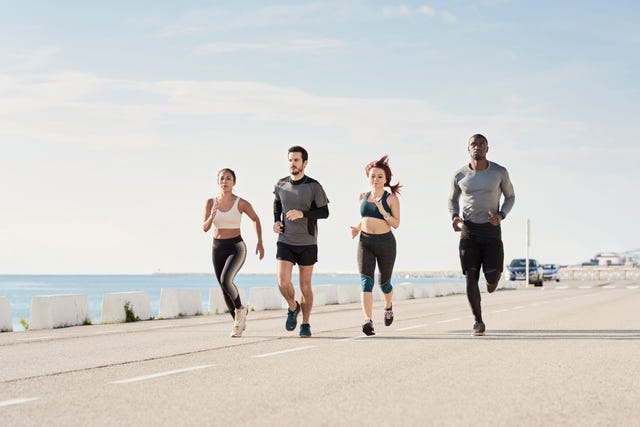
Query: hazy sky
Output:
(115,118)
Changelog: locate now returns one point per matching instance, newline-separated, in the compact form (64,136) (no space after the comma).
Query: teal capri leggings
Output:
(372,249)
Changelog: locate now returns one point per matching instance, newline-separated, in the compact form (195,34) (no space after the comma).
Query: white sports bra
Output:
(230,218)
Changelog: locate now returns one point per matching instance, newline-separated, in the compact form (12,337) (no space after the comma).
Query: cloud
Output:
(29,60)
(300,45)
(449,18)
(394,11)
(426,10)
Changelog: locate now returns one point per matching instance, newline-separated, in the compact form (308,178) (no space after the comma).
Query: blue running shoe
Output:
(292,318)
(305,330)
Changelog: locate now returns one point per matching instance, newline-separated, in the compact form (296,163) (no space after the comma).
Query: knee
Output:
(366,283)
(492,276)
(386,288)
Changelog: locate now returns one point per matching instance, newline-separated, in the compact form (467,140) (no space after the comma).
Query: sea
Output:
(21,288)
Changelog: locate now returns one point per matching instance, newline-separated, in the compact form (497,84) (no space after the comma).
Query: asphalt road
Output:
(564,354)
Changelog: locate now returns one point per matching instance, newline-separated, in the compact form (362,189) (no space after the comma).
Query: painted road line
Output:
(35,338)
(632,286)
(447,321)
(500,311)
(562,287)
(161,374)
(411,327)
(584,287)
(350,339)
(276,353)
(17,401)
(609,287)
(518,307)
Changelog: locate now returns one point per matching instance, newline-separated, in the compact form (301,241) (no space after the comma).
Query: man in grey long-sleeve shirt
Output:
(480,184)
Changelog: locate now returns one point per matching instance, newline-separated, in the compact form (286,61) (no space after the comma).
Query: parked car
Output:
(517,269)
(550,272)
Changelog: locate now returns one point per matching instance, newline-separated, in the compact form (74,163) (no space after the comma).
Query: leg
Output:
(367,268)
(492,262)
(219,255)
(285,285)
(470,259)
(306,298)
(386,255)
(231,267)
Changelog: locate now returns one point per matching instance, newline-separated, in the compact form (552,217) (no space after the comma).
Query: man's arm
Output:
(509,196)
(317,213)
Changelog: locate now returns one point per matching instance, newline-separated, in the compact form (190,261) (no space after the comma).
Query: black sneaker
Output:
(367,328)
(478,329)
(491,287)
(292,318)
(388,316)
(305,330)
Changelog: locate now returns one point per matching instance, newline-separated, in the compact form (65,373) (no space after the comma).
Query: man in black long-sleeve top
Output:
(299,202)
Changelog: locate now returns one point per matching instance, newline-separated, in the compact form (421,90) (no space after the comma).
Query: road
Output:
(564,354)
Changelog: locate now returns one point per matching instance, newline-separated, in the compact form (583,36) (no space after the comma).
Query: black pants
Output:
(480,246)
(228,257)
(380,248)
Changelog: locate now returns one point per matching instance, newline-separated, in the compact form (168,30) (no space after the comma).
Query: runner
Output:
(480,183)
(224,212)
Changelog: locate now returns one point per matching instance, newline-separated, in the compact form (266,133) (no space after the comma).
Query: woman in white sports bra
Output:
(224,212)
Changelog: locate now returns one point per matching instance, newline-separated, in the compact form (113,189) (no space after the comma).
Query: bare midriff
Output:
(225,233)
(374,225)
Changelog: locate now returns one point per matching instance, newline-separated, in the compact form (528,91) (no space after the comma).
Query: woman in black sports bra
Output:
(380,211)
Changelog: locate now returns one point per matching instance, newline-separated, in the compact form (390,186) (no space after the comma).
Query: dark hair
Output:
(233,174)
(383,164)
(298,149)
(482,138)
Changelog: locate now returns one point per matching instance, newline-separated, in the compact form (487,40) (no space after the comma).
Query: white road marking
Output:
(161,327)
(34,338)
(584,287)
(447,321)
(518,307)
(500,311)
(350,339)
(161,374)
(562,287)
(411,327)
(17,401)
(609,287)
(632,286)
(275,353)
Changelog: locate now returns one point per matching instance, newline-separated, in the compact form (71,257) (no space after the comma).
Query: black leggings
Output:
(380,248)
(228,257)
(480,246)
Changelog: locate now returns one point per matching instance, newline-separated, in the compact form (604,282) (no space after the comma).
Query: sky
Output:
(115,118)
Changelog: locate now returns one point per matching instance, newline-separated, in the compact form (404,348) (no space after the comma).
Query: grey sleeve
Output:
(454,197)
(507,190)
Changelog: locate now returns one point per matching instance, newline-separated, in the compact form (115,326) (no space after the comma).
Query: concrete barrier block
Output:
(403,291)
(329,294)
(265,299)
(217,305)
(348,294)
(180,302)
(425,290)
(59,311)
(6,325)
(113,304)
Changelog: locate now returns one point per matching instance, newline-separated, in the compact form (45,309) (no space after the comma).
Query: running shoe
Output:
(478,329)
(239,322)
(491,287)
(388,316)
(292,318)
(305,330)
(367,328)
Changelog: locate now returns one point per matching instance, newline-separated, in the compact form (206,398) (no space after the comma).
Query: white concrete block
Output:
(329,294)
(216,300)
(348,294)
(58,311)
(6,325)
(180,302)
(424,290)
(403,291)
(265,299)
(113,306)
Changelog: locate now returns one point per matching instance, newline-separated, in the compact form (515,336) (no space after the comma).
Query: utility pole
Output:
(526,261)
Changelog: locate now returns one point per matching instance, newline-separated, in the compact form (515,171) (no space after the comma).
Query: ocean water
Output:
(21,288)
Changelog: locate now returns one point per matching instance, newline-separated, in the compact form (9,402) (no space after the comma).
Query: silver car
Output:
(517,269)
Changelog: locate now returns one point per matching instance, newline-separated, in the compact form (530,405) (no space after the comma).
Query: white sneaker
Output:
(240,322)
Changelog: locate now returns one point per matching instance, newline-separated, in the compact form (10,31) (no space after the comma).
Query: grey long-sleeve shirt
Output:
(480,192)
